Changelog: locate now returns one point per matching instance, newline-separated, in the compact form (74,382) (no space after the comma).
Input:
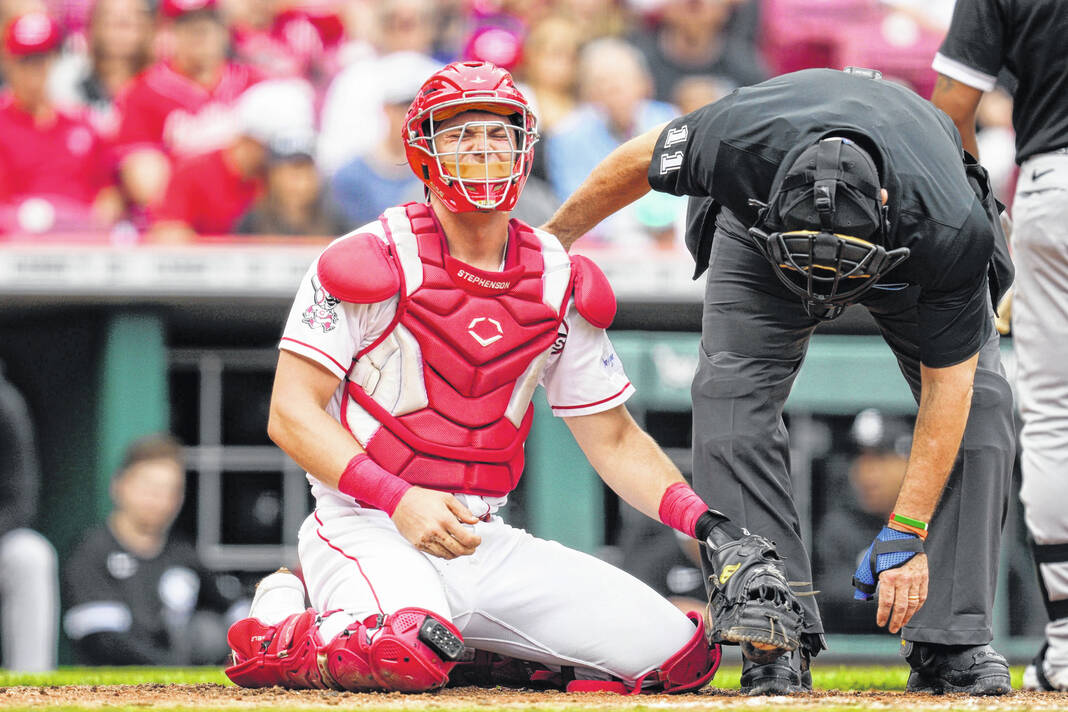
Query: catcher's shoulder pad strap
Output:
(359,269)
(594,298)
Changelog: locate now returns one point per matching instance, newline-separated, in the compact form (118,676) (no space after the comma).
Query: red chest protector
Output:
(479,336)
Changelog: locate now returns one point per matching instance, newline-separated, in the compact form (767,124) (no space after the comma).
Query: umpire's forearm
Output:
(945,401)
(616,182)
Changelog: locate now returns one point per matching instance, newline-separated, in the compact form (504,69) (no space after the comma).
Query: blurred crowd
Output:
(160,120)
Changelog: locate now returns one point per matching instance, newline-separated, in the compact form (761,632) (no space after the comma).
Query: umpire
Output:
(1028,39)
(809,192)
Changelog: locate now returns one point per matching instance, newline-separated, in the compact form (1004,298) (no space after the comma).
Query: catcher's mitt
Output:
(749,601)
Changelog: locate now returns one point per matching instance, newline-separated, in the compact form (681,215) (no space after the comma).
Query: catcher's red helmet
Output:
(467,178)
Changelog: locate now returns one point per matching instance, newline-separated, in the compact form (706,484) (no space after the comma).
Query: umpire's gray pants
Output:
(754,338)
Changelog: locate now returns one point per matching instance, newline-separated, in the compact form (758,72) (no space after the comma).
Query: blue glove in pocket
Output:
(890,549)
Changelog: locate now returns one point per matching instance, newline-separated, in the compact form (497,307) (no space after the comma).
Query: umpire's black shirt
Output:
(731,150)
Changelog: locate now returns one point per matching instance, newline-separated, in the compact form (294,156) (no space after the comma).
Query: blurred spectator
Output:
(615,88)
(549,69)
(353,120)
(294,202)
(180,107)
(135,595)
(370,183)
(496,36)
(996,139)
(29,586)
(689,37)
(286,40)
(933,15)
(695,91)
(54,171)
(209,192)
(595,18)
(120,36)
(875,474)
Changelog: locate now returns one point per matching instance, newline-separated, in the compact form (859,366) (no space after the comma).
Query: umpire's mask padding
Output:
(824,227)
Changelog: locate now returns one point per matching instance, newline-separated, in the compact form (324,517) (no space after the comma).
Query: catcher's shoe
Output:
(970,669)
(278,596)
(788,674)
(750,601)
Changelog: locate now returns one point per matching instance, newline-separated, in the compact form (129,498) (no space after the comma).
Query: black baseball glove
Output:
(749,599)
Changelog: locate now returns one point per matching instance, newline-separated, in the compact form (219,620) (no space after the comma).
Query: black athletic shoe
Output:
(786,675)
(971,669)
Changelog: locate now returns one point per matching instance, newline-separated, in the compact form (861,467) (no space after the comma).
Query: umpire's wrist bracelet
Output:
(907,524)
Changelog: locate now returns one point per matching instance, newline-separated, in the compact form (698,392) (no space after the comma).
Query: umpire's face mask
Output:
(832,225)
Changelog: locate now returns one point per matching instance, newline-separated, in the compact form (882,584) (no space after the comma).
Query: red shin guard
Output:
(411,650)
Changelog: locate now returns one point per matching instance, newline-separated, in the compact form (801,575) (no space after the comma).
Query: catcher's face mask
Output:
(832,251)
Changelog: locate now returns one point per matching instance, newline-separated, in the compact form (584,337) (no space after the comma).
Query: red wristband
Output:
(680,508)
(368,483)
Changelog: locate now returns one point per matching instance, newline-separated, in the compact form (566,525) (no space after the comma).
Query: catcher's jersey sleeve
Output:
(584,374)
(331,332)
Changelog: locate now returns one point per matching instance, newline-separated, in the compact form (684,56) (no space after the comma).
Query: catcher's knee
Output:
(691,667)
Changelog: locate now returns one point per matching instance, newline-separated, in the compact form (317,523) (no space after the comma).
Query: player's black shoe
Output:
(970,669)
(786,675)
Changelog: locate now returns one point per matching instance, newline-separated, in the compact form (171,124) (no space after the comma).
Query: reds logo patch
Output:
(322,313)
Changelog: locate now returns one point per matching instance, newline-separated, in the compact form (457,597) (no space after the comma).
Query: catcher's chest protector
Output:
(443,398)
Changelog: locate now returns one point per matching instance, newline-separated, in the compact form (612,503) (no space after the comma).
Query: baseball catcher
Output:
(404,388)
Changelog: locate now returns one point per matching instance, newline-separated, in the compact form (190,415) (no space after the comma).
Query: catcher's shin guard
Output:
(749,599)
(285,654)
(411,650)
(691,668)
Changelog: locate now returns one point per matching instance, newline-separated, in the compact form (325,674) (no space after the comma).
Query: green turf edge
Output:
(824,677)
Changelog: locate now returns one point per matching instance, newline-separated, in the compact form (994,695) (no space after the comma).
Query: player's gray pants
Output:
(1040,335)
(29,599)
(754,337)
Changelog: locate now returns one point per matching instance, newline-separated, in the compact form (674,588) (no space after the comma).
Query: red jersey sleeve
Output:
(177,203)
(142,115)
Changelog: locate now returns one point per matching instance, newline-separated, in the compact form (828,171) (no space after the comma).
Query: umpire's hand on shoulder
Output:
(434,522)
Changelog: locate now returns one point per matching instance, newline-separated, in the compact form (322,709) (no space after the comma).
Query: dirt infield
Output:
(212,696)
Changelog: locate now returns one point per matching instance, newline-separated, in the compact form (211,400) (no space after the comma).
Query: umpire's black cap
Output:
(833,186)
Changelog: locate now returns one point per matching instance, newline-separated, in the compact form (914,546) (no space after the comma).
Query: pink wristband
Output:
(680,508)
(366,482)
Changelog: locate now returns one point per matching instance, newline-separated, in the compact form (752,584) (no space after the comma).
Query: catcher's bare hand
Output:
(434,523)
(902,591)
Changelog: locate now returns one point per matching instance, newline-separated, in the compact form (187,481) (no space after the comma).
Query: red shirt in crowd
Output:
(167,110)
(63,158)
(207,194)
(299,43)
